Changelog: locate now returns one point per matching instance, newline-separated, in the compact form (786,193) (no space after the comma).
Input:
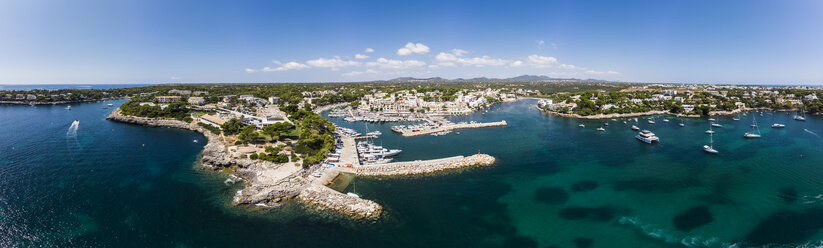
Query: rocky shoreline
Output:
(263,191)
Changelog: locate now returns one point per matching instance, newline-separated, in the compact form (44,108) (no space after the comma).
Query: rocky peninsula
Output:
(268,184)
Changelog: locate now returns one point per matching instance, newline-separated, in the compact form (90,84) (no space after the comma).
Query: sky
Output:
(181,41)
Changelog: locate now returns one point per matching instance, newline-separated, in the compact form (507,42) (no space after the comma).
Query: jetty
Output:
(448,127)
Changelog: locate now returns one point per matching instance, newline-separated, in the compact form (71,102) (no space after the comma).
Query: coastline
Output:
(657,112)
(269,185)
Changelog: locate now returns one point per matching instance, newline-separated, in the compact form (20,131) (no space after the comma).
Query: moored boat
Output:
(647,137)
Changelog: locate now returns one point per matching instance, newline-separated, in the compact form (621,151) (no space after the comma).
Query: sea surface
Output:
(554,185)
(67,86)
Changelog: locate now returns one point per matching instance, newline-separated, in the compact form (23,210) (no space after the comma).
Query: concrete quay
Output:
(449,127)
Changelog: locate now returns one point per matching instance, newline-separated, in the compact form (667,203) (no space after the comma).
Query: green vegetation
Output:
(272,154)
(212,129)
(232,127)
(176,110)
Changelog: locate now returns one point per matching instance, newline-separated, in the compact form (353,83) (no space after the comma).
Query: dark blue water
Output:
(554,185)
(67,86)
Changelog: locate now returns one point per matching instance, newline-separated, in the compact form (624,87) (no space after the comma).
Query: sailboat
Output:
(710,147)
(716,124)
(710,131)
(755,133)
(799,117)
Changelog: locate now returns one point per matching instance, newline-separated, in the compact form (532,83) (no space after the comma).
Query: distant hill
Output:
(523,78)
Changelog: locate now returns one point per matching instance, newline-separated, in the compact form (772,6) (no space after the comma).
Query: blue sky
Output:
(146,41)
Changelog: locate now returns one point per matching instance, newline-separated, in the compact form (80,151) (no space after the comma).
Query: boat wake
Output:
(810,131)
(808,199)
(673,237)
(73,128)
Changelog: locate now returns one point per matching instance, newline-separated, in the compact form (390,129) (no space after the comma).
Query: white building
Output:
(196,100)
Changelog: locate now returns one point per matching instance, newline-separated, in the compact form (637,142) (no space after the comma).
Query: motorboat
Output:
(581,125)
(647,137)
(682,125)
(635,128)
(601,129)
(778,125)
(665,120)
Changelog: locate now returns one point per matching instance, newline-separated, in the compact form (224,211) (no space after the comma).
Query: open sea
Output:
(107,184)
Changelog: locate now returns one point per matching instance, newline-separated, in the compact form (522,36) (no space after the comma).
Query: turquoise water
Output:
(554,185)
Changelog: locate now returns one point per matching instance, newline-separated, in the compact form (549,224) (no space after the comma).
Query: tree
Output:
(277,129)
(232,126)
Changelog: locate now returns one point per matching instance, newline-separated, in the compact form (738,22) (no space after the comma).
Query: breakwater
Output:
(425,166)
(448,127)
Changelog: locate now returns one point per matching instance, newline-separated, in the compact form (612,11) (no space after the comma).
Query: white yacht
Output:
(665,120)
(581,125)
(778,125)
(647,136)
(68,107)
(710,147)
(755,133)
(799,117)
(651,121)
(682,124)
(601,129)
(710,131)
(635,128)
(715,124)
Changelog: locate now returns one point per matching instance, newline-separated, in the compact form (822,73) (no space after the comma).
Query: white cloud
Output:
(593,72)
(354,73)
(358,73)
(396,64)
(517,63)
(334,63)
(369,50)
(459,52)
(410,48)
(541,44)
(456,57)
(541,61)
(176,78)
(565,66)
(361,56)
(283,67)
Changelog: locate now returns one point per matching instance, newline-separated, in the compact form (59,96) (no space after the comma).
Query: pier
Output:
(449,127)
(424,166)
